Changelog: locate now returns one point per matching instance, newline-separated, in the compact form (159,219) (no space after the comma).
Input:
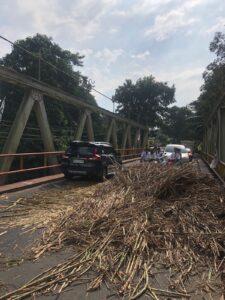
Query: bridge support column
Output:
(81,125)
(114,135)
(137,138)
(46,135)
(129,142)
(85,119)
(16,130)
(145,139)
(90,130)
(126,138)
(109,132)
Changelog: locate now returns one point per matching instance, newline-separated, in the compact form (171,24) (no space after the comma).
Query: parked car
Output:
(92,159)
(170,149)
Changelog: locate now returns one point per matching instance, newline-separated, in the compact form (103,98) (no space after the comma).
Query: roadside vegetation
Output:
(213,88)
(147,101)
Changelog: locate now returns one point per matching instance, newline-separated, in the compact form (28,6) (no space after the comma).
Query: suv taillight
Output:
(95,156)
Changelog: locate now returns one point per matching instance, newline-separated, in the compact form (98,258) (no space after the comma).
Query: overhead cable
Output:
(37,56)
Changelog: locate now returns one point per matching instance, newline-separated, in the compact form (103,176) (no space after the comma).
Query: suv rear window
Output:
(82,150)
(170,149)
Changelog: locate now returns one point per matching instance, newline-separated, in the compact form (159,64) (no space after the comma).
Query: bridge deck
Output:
(15,243)
(13,187)
(8,188)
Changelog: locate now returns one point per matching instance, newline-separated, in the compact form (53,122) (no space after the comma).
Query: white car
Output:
(170,149)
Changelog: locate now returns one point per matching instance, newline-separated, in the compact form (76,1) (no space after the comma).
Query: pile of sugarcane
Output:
(147,218)
(41,209)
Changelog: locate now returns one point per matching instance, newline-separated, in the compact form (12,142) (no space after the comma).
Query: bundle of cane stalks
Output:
(147,218)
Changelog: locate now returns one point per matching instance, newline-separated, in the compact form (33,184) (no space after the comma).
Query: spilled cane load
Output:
(151,230)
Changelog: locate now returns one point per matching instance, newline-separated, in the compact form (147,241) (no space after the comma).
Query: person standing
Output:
(176,156)
(145,155)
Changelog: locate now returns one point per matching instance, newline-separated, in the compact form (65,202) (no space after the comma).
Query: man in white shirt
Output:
(145,155)
(176,156)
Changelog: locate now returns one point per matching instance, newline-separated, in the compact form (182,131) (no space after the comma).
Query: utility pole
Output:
(39,65)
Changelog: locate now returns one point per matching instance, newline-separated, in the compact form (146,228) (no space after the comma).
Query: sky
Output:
(124,39)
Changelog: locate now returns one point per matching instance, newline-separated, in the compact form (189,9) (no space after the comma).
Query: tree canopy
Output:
(55,66)
(145,101)
(55,63)
(178,124)
(213,88)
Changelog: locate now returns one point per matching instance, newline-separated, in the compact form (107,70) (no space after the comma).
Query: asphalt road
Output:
(15,244)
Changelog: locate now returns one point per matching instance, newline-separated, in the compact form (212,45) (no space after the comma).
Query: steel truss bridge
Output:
(214,138)
(134,135)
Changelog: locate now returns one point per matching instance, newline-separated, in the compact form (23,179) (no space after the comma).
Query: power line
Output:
(37,57)
(51,65)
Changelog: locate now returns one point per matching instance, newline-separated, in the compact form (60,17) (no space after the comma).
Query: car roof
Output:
(105,144)
(175,146)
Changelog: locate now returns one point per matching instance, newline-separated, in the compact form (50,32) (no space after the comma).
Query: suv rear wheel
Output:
(102,175)
(68,175)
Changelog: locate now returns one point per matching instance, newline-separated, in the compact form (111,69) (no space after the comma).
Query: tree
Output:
(47,59)
(213,88)
(178,124)
(145,101)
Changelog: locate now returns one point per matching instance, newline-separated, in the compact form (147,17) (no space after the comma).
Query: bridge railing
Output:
(120,131)
(23,156)
(126,154)
(129,153)
(220,167)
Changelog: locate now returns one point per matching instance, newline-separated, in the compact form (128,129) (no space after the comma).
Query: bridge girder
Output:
(33,98)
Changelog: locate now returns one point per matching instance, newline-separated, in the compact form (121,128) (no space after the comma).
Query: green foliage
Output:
(213,88)
(43,46)
(162,138)
(178,124)
(145,101)
(60,115)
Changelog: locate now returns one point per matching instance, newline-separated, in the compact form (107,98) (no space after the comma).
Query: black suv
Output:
(93,159)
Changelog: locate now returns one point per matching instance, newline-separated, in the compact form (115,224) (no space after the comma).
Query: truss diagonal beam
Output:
(46,135)
(17,129)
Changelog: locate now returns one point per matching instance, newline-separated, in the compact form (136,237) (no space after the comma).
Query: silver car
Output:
(170,149)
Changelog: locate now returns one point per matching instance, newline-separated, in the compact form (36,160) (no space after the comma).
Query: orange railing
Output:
(126,154)
(129,153)
(22,156)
